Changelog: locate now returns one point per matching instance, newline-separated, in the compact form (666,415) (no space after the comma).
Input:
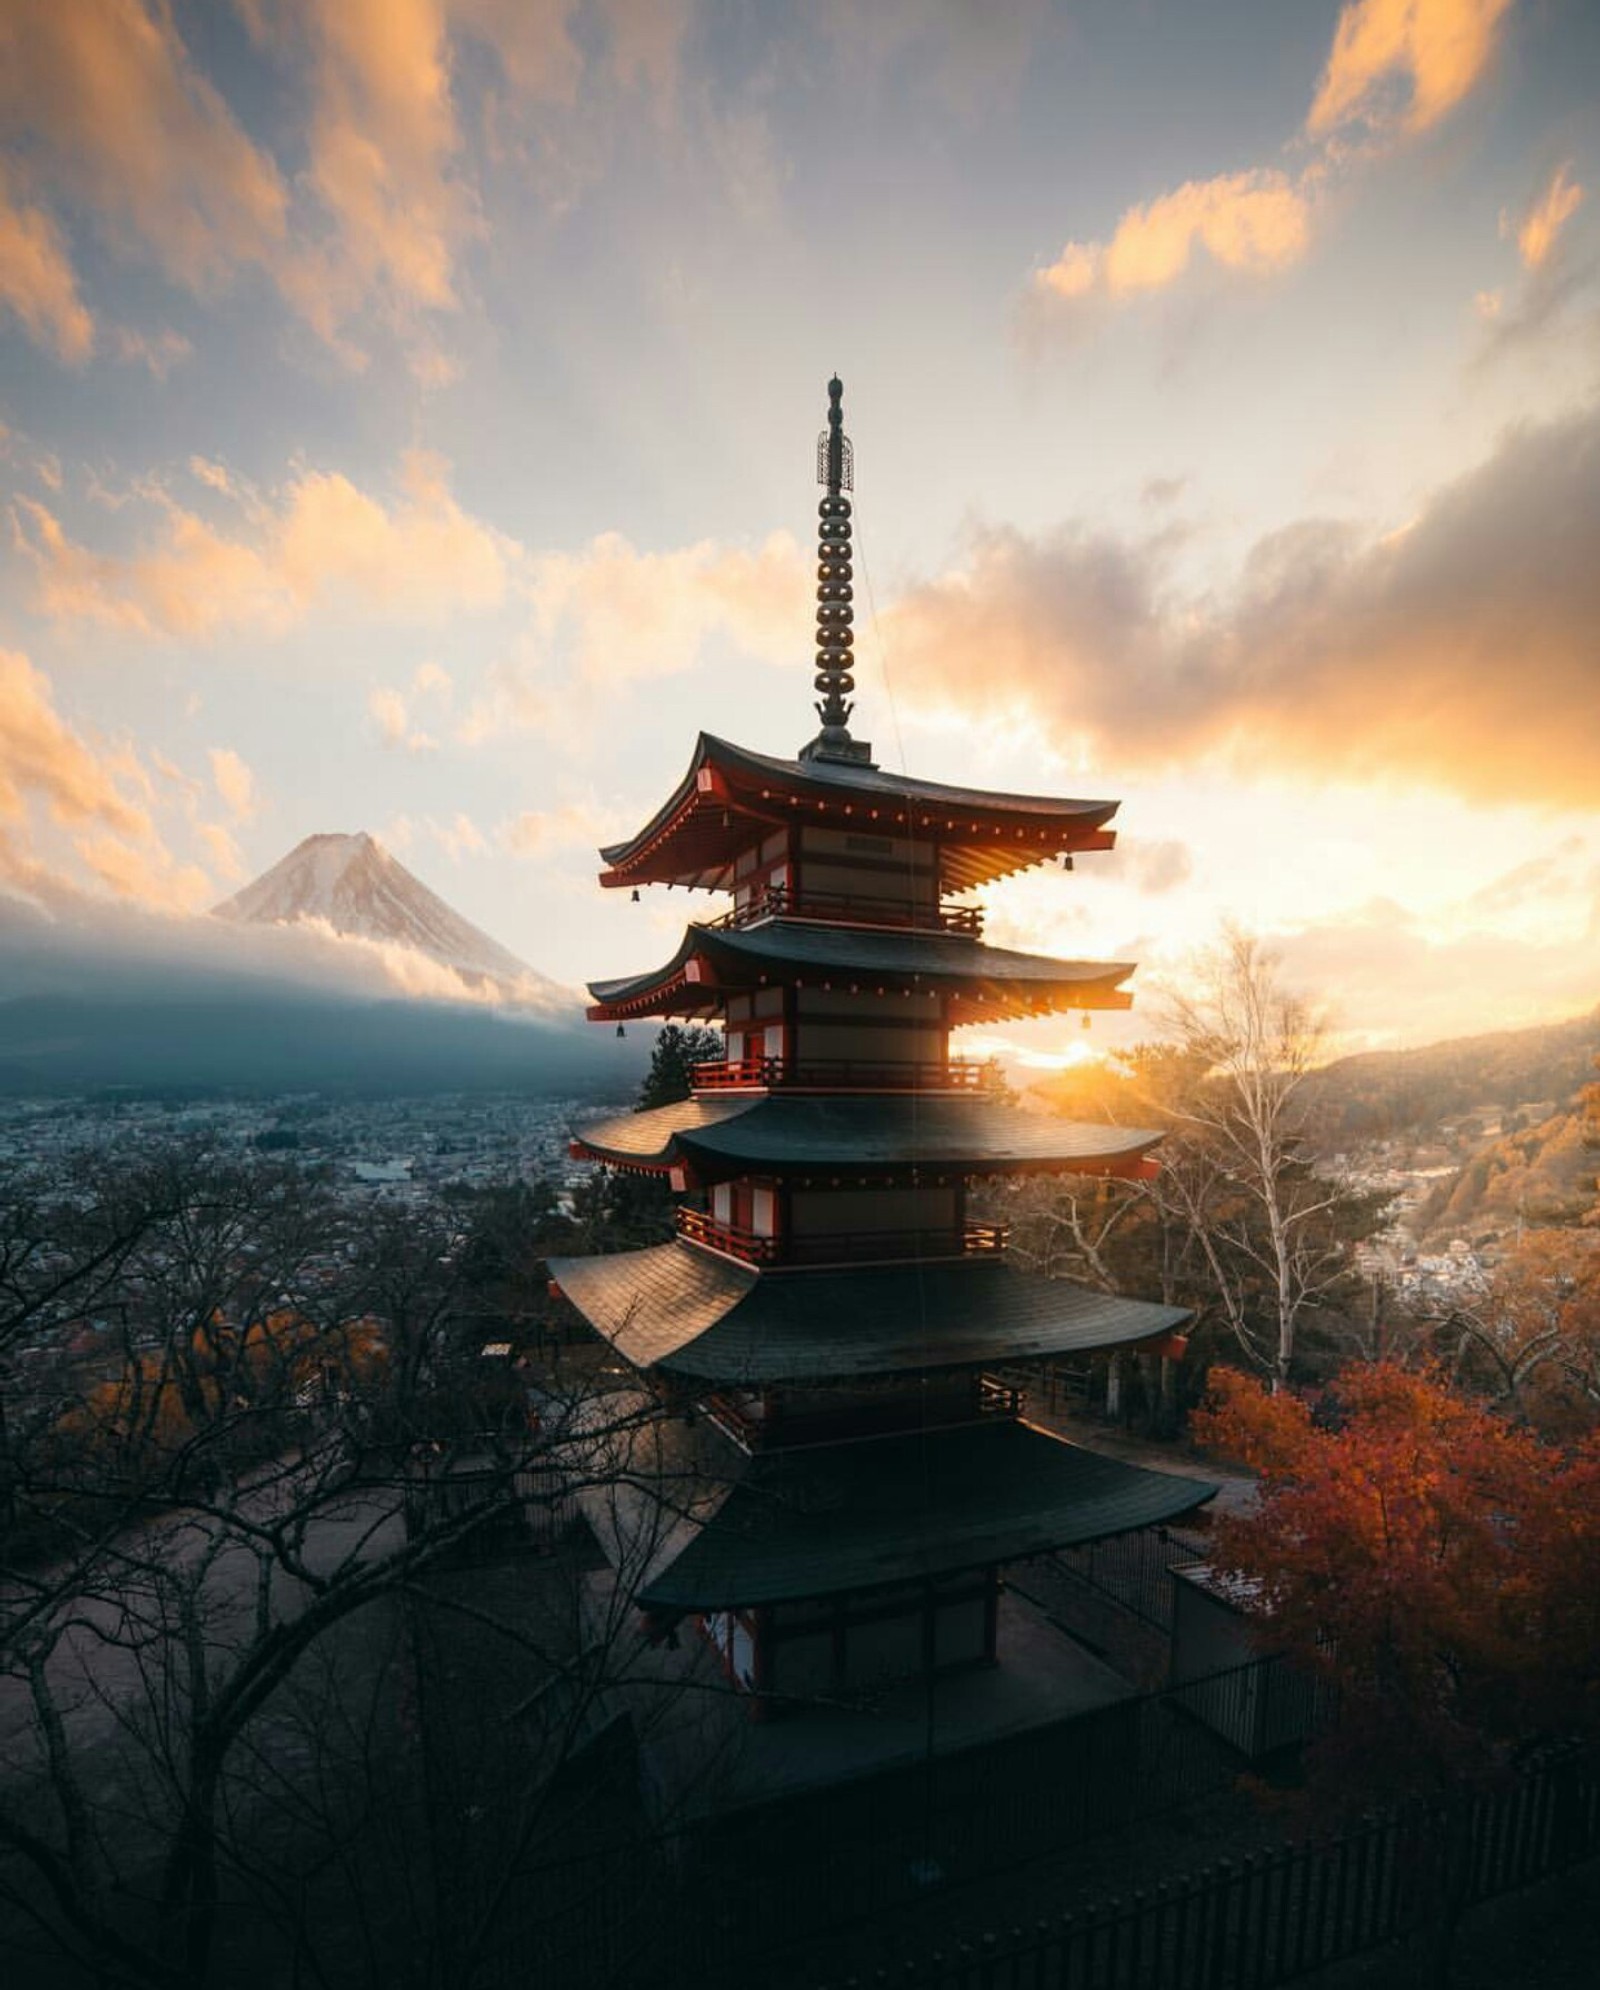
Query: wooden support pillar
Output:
(1114,1387)
(991,1616)
(762,1706)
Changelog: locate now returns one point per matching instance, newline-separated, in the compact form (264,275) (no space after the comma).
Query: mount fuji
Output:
(353,885)
(335,971)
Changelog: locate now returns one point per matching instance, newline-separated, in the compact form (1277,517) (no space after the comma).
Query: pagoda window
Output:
(764,1212)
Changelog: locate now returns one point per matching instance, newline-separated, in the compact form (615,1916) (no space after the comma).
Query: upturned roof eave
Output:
(995,980)
(983,1497)
(706,1319)
(1058,823)
(775,1134)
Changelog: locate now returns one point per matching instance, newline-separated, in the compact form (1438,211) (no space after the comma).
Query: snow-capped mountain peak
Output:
(356,887)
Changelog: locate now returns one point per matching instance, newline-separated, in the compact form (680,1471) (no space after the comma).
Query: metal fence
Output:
(1135,1569)
(1268,1918)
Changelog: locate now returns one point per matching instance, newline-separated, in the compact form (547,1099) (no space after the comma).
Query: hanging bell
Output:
(636,894)
(1086,1019)
(620,1030)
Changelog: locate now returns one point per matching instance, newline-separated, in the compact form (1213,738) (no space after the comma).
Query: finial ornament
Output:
(835,469)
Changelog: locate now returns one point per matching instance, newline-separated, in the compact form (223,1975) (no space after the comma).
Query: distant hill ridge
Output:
(363,892)
(1375,1094)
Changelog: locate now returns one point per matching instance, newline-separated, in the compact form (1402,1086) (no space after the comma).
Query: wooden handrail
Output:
(697,1226)
(773,1073)
(781,901)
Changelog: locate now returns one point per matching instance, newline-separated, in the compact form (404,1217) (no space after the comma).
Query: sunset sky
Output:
(408,414)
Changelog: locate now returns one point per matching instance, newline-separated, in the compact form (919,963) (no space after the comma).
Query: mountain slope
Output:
(1376,1094)
(362,892)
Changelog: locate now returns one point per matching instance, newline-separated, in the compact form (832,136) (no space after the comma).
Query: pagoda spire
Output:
(836,470)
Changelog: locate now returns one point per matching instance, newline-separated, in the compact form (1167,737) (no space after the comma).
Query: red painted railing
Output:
(781,901)
(773,1073)
(845,1246)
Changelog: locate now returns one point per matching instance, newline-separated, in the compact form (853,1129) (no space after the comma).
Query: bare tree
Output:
(1238,1177)
(234,1729)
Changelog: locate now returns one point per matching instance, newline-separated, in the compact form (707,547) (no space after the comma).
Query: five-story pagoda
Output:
(852,1348)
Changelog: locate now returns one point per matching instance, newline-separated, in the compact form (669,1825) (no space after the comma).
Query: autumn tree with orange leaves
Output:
(1435,1561)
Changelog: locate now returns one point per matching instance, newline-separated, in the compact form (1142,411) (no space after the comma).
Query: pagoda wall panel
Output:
(834,1026)
(837,1212)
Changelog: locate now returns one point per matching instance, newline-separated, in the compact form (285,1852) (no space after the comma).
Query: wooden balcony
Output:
(776,901)
(845,1247)
(765,1074)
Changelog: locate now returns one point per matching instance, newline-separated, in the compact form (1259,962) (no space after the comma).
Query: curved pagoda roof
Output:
(980,982)
(785,1134)
(831,1519)
(705,1318)
(693,838)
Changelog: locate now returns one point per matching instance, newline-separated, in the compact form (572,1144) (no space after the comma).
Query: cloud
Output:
(235,782)
(460,838)
(146,874)
(1458,651)
(612,614)
(106,91)
(322,544)
(37,280)
(47,769)
(1150,865)
(970,58)
(41,756)
(157,352)
(535,833)
(382,146)
(1396,979)
(1395,67)
(1404,62)
(222,848)
(630,614)
(1541,226)
(379,201)
(1255,222)
(391,710)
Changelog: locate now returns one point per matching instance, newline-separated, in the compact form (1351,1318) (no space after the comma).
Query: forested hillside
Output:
(1540,1178)
(1379,1094)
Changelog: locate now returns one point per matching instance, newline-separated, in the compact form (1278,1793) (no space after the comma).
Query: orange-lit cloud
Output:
(1396,66)
(383,142)
(145,874)
(48,769)
(37,280)
(1404,62)
(1541,226)
(1458,652)
(323,543)
(537,832)
(106,91)
(41,756)
(1254,222)
(632,614)
(611,615)
(236,784)
(392,710)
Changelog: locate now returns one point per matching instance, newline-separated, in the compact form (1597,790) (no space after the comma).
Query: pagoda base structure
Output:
(823,1464)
